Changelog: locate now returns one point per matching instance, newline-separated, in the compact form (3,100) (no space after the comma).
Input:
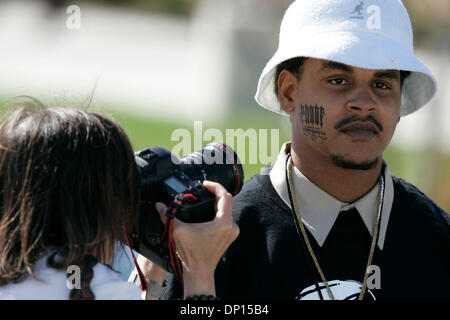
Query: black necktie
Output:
(349,244)
(347,225)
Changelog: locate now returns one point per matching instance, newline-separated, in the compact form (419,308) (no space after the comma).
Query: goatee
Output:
(353,165)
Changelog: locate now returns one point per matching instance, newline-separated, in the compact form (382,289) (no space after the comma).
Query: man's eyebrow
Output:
(388,74)
(385,74)
(330,65)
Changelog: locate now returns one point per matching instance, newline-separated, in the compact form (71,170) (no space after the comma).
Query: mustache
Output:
(356,118)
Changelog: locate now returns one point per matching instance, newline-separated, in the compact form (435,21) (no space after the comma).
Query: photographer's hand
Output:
(201,245)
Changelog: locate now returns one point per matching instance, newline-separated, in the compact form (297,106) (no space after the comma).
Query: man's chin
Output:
(347,164)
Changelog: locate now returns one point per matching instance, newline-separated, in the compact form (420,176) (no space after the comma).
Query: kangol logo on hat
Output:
(373,15)
(325,29)
(358,11)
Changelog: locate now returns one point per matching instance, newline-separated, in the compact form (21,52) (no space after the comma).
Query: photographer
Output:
(69,191)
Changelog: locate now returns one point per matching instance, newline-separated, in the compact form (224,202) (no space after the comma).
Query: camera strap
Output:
(144,286)
(171,213)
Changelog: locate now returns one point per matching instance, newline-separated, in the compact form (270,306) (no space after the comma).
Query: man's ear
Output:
(287,90)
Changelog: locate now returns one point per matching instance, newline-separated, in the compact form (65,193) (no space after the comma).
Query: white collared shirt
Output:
(319,210)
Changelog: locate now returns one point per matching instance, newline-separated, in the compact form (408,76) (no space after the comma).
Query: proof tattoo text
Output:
(312,117)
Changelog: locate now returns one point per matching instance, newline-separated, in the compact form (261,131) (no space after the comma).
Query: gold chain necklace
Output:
(308,244)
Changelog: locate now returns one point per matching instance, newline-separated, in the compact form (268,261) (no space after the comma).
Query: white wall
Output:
(154,65)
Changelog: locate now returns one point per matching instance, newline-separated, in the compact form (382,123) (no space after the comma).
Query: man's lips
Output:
(360,130)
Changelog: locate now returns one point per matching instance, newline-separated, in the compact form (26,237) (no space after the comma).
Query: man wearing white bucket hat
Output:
(328,220)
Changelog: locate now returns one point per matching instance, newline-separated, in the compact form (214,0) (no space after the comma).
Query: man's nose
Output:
(361,100)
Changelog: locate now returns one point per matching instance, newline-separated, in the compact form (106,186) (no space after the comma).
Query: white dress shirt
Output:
(319,210)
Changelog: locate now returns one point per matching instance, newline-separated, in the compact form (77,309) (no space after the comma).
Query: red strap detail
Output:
(190,196)
(168,229)
(178,271)
(144,286)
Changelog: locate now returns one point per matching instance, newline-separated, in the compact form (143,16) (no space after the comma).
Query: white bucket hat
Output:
(371,34)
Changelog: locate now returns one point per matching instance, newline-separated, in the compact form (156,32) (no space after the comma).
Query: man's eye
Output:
(381,85)
(339,81)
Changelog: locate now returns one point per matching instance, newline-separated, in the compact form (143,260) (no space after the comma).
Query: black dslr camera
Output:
(163,176)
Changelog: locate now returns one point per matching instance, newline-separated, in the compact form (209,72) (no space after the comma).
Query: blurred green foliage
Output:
(182,8)
(411,165)
(430,18)
(429,170)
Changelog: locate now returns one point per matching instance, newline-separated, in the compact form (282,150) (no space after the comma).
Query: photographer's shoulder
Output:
(108,285)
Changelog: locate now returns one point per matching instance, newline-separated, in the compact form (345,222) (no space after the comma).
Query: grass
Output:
(415,166)
(429,170)
(146,133)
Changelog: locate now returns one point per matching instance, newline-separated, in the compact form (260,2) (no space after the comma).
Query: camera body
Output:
(163,176)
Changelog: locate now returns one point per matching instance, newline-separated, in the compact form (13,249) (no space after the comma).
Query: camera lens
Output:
(215,162)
